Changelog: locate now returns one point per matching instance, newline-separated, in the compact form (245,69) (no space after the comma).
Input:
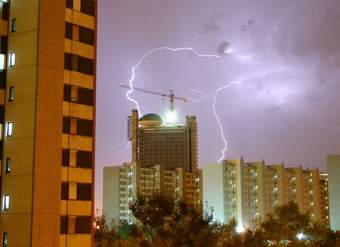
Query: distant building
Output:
(333,170)
(170,146)
(248,191)
(122,185)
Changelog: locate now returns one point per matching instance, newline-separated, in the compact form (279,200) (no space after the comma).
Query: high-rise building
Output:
(333,170)
(122,185)
(248,191)
(170,146)
(47,111)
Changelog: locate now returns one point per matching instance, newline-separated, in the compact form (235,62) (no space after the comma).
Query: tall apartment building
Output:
(248,191)
(170,146)
(122,184)
(333,170)
(47,111)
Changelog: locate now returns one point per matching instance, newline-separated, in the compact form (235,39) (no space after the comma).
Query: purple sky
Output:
(285,54)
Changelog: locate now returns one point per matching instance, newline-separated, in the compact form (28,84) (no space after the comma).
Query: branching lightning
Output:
(212,95)
(150,52)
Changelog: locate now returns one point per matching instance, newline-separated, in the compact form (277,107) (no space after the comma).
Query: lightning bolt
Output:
(151,52)
(212,95)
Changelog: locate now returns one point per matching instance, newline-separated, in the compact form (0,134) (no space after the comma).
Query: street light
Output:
(300,236)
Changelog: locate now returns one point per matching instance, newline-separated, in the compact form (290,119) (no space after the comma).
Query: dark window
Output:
(69,4)
(8,165)
(83,224)
(64,191)
(2,114)
(84,159)
(3,75)
(84,192)
(86,35)
(84,127)
(77,63)
(66,125)
(67,92)
(63,224)
(5,11)
(68,61)
(68,30)
(1,148)
(65,157)
(4,239)
(4,42)
(11,94)
(85,96)
(85,65)
(87,7)
(14,25)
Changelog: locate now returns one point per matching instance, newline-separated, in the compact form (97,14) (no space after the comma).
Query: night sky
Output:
(283,56)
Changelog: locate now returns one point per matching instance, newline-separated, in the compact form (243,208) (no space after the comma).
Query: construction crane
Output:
(172,97)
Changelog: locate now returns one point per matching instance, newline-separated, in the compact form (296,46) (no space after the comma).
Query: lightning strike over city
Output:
(246,81)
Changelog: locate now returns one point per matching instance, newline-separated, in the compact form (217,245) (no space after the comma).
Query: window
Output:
(5,11)
(11,94)
(69,4)
(3,74)
(83,224)
(84,159)
(63,224)
(86,35)
(14,25)
(4,44)
(5,202)
(4,239)
(64,191)
(8,165)
(85,127)
(12,59)
(68,30)
(84,192)
(87,7)
(9,129)
(65,157)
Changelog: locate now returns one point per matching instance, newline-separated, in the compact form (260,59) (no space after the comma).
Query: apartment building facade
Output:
(333,170)
(123,184)
(47,122)
(248,191)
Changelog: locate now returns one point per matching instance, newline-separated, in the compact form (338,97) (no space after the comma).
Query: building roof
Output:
(151,117)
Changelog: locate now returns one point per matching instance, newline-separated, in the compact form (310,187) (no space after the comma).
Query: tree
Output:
(170,223)
(104,234)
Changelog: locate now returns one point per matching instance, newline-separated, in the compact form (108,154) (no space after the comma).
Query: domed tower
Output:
(170,146)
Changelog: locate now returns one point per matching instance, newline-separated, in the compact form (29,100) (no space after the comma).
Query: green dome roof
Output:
(151,117)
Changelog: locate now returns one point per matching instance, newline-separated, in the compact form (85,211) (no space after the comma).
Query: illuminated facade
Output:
(122,184)
(333,170)
(248,191)
(47,97)
(170,146)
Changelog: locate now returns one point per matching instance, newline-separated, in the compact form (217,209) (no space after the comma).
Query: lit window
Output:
(2,61)
(14,25)
(8,165)
(12,59)
(11,94)
(5,202)
(4,239)
(9,129)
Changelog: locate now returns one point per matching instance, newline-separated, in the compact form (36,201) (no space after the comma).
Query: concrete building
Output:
(122,184)
(47,78)
(248,191)
(333,170)
(170,146)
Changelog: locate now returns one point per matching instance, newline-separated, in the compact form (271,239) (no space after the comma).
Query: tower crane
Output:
(172,97)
